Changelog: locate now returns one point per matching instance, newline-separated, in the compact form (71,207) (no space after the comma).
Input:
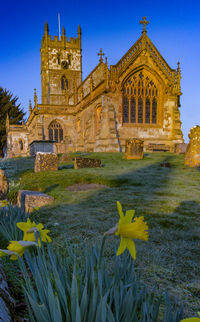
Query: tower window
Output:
(140,105)
(58,59)
(69,57)
(64,83)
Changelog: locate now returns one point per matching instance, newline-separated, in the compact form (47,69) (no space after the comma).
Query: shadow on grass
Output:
(50,188)
(66,166)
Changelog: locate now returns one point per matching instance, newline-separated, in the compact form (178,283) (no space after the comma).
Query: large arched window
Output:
(55,132)
(140,100)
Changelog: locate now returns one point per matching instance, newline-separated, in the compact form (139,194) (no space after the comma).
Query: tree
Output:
(8,105)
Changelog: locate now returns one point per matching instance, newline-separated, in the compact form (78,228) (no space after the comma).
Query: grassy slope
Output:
(168,198)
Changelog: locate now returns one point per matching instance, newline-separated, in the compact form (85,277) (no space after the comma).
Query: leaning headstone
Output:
(134,149)
(4,187)
(180,148)
(46,162)
(30,200)
(87,163)
(192,155)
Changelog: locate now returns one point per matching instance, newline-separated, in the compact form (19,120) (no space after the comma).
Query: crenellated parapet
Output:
(61,66)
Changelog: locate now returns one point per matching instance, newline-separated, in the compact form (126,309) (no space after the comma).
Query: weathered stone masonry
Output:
(139,97)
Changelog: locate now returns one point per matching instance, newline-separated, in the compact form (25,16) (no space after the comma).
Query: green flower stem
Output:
(101,250)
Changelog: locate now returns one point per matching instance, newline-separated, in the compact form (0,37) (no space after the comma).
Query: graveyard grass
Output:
(168,198)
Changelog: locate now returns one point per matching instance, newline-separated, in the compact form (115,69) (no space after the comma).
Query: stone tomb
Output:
(4,187)
(41,146)
(87,163)
(29,200)
(192,154)
(134,149)
(46,162)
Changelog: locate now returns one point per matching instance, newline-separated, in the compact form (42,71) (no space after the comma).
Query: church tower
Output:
(61,66)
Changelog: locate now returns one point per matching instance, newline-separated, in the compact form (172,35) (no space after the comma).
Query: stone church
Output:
(138,97)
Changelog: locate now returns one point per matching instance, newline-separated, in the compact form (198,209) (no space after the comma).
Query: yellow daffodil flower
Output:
(129,230)
(5,252)
(16,248)
(29,228)
(4,203)
(191,320)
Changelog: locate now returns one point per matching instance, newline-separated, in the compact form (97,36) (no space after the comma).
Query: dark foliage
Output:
(8,105)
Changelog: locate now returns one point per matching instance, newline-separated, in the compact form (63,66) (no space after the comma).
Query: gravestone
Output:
(192,154)
(134,149)
(29,200)
(180,148)
(46,162)
(87,163)
(4,187)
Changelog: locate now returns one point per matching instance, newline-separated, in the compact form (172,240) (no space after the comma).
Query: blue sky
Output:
(174,28)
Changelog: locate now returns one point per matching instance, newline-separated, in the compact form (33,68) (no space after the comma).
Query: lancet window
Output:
(64,83)
(55,132)
(140,100)
(21,145)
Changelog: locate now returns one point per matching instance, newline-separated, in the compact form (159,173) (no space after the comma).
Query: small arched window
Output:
(21,145)
(55,132)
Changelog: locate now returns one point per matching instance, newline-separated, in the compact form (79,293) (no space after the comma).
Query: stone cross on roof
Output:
(100,54)
(144,22)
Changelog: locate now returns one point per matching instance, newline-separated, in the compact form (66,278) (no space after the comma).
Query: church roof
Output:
(143,45)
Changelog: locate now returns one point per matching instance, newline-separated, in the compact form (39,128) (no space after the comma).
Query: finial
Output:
(63,31)
(144,22)
(100,54)
(79,30)
(46,28)
(106,60)
(178,65)
(30,107)
(35,97)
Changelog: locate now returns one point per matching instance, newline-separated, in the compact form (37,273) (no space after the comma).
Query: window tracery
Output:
(140,100)
(55,132)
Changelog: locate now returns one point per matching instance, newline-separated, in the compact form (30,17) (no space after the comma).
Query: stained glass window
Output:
(55,132)
(154,111)
(126,110)
(133,110)
(147,110)
(139,100)
(140,110)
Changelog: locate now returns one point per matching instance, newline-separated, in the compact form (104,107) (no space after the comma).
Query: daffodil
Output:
(4,203)
(16,248)
(191,320)
(129,230)
(29,228)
